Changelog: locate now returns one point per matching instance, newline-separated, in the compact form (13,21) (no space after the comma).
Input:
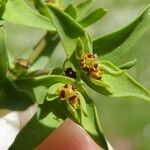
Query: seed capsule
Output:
(70,73)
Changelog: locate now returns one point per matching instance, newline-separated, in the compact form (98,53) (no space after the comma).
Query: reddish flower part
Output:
(62,94)
(95,66)
(66,86)
(91,56)
(73,98)
(74,88)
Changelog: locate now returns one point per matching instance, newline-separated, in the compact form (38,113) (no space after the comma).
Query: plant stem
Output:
(39,48)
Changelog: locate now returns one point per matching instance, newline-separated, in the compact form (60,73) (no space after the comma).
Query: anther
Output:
(73,98)
(91,56)
(74,88)
(62,94)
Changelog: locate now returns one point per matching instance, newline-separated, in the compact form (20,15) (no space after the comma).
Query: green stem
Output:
(39,48)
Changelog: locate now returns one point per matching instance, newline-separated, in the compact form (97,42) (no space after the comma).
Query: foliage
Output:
(61,92)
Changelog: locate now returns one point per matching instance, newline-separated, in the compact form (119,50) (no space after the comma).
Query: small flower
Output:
(89,64)
(69,93)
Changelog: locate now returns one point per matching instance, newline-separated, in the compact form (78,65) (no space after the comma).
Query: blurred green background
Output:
(126,122)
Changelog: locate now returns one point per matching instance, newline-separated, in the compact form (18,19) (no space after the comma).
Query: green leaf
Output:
(83,7)
(52,92)
(100,83)
(128,65)
(123,85)
(65,25)
(71,10)
(114,45)
(83,46)
(37,87)
(24,15)
(111,69)
(2,7)
(82,104)
(12,98)
(48,117)
(3,55)
(43,9)
(115,82)
(93,17)
(91,122)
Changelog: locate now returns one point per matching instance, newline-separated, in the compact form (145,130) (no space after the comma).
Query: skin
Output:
(69,136)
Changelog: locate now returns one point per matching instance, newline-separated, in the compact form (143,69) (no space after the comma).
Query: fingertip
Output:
(69,136)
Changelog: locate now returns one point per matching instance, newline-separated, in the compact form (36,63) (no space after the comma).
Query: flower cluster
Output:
(88,64)
(69,93)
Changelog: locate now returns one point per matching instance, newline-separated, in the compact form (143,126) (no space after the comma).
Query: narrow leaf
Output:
(124,85)
(83,7)
(43,9)
(115,82)
(18,12)
(91,122)
(111,69)
(71,10)
(65,25)
(52,92)
(128,65)
(114,45)
(3,55)
(2,7)
(93,17)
